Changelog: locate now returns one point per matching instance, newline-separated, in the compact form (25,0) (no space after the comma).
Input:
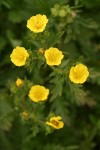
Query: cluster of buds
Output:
(63,11)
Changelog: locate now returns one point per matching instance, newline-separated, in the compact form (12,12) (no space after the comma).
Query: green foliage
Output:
(74,28)
(5,111)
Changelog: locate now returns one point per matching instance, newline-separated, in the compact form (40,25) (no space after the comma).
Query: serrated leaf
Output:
(37,44)
(57,88)
(77,94)
(94,76)
(60,107)
(53,39)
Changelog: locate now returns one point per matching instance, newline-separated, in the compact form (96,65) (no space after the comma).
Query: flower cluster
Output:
(53,56)
(60,11)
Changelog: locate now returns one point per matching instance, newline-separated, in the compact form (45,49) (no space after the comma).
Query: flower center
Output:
(53,57)
(20,57)
(79,73)
(39,25)
(56,123)
(39,94)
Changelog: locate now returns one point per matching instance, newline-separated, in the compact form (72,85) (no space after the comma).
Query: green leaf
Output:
(53,39)
(59,106)
(94,76)
(73,147)
(57,87)
(76,93)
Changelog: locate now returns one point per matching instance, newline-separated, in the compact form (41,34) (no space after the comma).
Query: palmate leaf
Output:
(94,76)
(59,106)
(57,87)
(53,39)
(5,111)
(37,44)
(59,103)
(75,93)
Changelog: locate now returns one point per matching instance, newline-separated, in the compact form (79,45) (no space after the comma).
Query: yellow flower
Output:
(53,56)
(19,56)
(55,122)
(79,73)
(19,82)
(38,93)
(37,23)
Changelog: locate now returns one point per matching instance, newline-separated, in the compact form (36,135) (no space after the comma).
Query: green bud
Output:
(54,12)
(67,9)
(57,7)
(62,13)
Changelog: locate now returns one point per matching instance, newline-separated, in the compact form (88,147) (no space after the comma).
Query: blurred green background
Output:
(81,38)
